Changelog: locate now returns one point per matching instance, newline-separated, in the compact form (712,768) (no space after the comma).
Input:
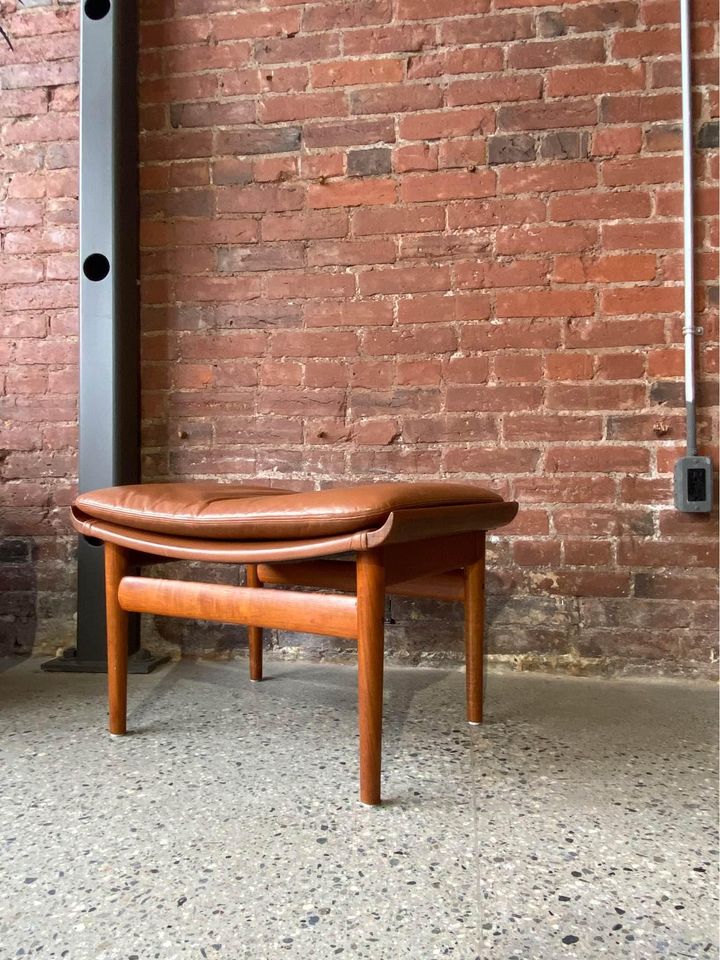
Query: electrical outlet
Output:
(693,485)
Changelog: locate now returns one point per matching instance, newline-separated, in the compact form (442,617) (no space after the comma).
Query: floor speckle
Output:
(578,822)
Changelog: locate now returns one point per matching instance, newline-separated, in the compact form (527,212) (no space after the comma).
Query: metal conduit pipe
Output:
(693,474)
(690,331)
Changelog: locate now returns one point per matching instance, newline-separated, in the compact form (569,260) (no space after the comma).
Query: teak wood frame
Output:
(450,568)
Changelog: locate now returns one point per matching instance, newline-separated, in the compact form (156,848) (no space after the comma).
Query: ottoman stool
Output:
(408,539)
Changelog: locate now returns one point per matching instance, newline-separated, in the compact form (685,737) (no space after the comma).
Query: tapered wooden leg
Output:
(116,567)
(474,634)
(371,641)
(255,634)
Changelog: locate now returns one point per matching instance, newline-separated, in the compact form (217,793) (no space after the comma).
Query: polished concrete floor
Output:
(578,822)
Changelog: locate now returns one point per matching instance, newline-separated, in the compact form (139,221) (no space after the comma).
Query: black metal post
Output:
(109,314)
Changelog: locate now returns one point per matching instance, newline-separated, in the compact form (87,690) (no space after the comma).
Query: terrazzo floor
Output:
(578,822)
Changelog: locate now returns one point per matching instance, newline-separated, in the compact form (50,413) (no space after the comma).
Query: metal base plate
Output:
(69,662)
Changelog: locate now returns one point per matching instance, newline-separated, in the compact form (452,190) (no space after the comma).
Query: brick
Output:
(615,333)
(541,53)
(351,313)
(638,299)
(564,145)
(351,194)
(321,166)
(259,198)
(543,178)
(516,273)
(428,187)
(493,90)
(369,163)
(602,459)
(418,156)
(616,141)
(400,98)
(323,253)
(670,553)
(308,225)
(211,114)
(562,396)
(518,369)
(536,553)
(428,9)
(493,212)
(410,342)
(618,268)
(468,153)
(302,106)
(494,398)
(708,136)
(456,61)
(642,236)
(446,123)
(332,16)
(278,256)
(520,148)
(307,343)
(640,109)
(608,78)
(385,220)
(620,367)
(404,280)
(641,170)
(512,334)
(441,308)
(600,206)
(309,286)
(346,73)
(631,44)
(545,303)
(490,460)
(487,29)
(569,366)
(257,140)
(298,49)
(403,38)
(346,133)
(546,116)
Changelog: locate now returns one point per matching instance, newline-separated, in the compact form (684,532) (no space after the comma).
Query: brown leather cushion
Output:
(231,511)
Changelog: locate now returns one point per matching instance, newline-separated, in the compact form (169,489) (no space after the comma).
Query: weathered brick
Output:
(369,163)
(520,148)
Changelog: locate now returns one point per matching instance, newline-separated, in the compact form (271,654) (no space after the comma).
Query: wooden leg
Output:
(474,635)
(116,567)
(255,634)
(371,642)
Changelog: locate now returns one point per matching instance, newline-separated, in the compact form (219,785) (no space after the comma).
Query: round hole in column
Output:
(97,9)
(96,266)
(92,541)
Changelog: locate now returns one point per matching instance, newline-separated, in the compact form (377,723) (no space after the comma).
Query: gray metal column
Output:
(109,316)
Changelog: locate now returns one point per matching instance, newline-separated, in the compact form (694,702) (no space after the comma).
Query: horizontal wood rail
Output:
(323,613)
(340,575)
(424,558)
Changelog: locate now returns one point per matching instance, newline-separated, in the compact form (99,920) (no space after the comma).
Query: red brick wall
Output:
(391,239)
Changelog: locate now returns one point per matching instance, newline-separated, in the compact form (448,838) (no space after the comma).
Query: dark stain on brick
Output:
(564,145)
(671,393)
(519,148)
(246,141)
(369,163)
(709,134)
(551,24)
